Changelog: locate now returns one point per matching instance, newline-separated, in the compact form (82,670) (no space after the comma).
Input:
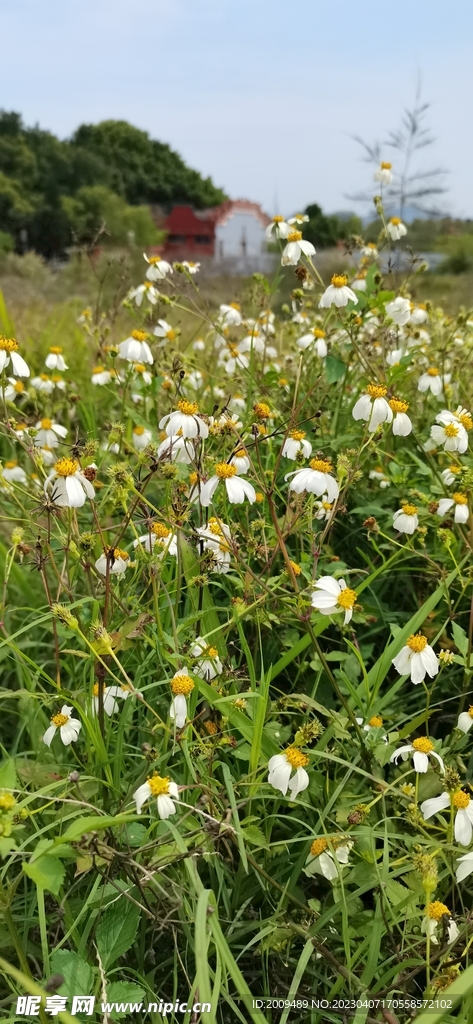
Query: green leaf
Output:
(7,844)
(124,992)
(255,836)
(116,931)
(78,975)
(414,724)
(334,369)
(46,872)
(460,638)
(8,774)
(93,823)
(134,834)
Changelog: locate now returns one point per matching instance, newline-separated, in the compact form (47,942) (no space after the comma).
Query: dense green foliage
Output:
(325,230)
(59,192)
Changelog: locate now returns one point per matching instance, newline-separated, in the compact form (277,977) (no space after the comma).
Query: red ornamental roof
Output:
(184,220)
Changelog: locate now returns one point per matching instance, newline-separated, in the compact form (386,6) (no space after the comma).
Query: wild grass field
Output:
(236,641)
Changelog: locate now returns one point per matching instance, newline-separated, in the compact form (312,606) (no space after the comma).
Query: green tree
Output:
(96,205)
(325,231)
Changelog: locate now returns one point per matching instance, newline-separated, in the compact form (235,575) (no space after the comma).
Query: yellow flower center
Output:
(470,711)
(346,598)
(210,652)
(44,376)
(140,368)
(385,165)
(182,684)
(423,745)
(157,785)
(466,420)
(437,910)
(211,728)
(235,305)
(262,410)
(215,528)
(118,553)
(339,280)
(370,245)
(397,405)
(187,408)
(297,435)
(459,498)
(56,350)
(154,259)
(19,387)
(460,800)
(295,568)
(433,371)
(295,757)
(139,335)
(66,467)
(321,465)
(8,344)
(278,219)
(46,424)
(395,221)
(11,465)
(283,382)
(193,478)
(316,331)
(454,468)
(139,431)
(327,505)
(451,430)
(409,510)
(170,335)
(376,390)
(7,801)
(59,720)
(318,847)
(240,454)
(224,471)
(98,369)
(375,722)
(417,643)
(294,236)
(160,530)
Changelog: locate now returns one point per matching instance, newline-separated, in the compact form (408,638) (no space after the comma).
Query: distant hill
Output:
(54,192)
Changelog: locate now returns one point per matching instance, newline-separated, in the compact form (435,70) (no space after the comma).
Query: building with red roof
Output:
(233,231)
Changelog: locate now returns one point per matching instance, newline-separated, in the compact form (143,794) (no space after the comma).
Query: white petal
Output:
(142,794)
(463,827)
(279,776)
(299,782)
(434,805)
(178,710)
(165,806)
(421,761)
(49,735)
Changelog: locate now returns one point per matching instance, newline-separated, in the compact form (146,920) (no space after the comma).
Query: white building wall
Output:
(242,235)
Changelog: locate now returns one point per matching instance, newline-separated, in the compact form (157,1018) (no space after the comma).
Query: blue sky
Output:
(263,95)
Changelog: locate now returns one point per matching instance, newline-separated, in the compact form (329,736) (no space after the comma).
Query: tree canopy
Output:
(59,191)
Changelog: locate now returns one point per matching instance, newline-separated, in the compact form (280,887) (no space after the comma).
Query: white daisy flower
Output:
(232,359)
(395,229)
(450,474)
(241,461)
(238,490)
(113,561)
(181,686)
(70,487)
(416,659)
(375,722)
(281,767)
(198,345)
(101,376)
(165,331)
(460,502)
(452,436)
(359,282)
(314,339)
(110,694)
(298,218)
(465,866)
(192,268)
(296,247)
(13,473)
(48,433)
(378,474)
(465,720)
(55,360)
(177,449)
(384,173)
(432,381)
(208,665)
(419,315)
(315,479)
(185,420)
(421,749)
(253,342)
(58,382)
(370,249)
(230,315)
(402,425)
(279,228)
(159,536)
(43,383)
(215,535)
(399,310)
(69,728)
(436,912)
(48,455)
(461,803)
(327,857)
(9,355)
(135,349)
(158,268)
(394,357)
(406,520)
(146,376)
(373,407)
(338,293)
(165,791)
(331,596)
(296,442)
(146,290)
(323,509)
(141,438)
